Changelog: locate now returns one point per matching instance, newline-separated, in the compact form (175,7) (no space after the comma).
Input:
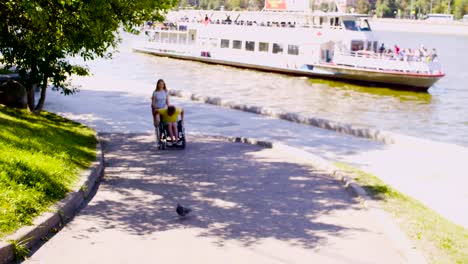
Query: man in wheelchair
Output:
(167,124)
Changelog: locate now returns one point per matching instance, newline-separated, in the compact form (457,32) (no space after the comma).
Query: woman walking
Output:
(160,99)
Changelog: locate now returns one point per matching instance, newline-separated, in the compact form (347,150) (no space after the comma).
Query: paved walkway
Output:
(251,205)
(430,172)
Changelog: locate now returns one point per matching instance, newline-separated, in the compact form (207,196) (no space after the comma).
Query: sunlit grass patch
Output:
(438,238)
(40,160)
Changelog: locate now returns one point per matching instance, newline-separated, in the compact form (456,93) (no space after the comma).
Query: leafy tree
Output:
(183,3)
(324,6)
(382,9)
(423,6)
(37,36)
(203,4)
(460,8)
(244,4)
(260,4)
(235,4)
(362,6)
(440,7)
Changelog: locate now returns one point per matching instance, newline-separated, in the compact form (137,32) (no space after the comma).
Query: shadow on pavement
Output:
(235,190)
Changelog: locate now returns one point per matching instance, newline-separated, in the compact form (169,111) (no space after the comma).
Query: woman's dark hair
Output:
(171,110)
(157,84)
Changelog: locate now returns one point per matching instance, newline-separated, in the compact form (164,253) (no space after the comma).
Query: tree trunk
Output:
(40,103)
(30,97)
(30,85)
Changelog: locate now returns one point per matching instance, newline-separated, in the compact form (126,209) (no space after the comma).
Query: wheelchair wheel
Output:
(182,146)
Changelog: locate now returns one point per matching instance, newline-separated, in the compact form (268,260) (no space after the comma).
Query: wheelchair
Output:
(163,139)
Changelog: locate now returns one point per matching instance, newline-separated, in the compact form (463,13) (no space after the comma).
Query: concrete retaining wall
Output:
(374,134)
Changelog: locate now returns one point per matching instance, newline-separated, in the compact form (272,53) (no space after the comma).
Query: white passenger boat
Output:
(314,44)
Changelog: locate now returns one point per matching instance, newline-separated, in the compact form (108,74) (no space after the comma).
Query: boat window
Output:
(369,45)
(376,44)
(250,45)
(213,42)
(263,46)
(237,44)
(182,38)
(173,38)
(335,22)
(350,25)
(156,36)
(277,48)
(357,45)
(164,37)
(293,50)
(225,43)
(364,25)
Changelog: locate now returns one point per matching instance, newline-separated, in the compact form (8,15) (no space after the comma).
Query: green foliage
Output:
(235,4)
(40,161)
(38,36)
(183,3)
(363,6)
(386,8)
(460,8)
(382,8)
(20,249)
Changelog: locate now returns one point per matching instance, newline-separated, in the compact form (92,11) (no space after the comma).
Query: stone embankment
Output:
(370,133)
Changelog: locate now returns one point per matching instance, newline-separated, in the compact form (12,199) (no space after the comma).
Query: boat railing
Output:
(285,24)
(378,61)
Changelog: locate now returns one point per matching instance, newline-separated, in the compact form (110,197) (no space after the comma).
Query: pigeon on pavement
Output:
(182,211)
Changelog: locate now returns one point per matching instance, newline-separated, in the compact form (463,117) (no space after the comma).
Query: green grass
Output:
(20,250)
(440,240)
(5,71)
(41,157)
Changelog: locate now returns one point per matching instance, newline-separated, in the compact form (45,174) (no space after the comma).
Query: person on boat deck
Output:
(160,98)
(433,55)
(207,19)
(169,116)
(382,48)
(397,49)
(402,55)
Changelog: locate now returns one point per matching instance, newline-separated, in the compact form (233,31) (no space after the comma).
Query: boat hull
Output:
(390,79)
(394,79)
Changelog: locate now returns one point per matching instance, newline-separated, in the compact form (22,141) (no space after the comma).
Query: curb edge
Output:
(60,214)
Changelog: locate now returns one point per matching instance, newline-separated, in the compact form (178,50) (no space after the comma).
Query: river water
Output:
(440,115)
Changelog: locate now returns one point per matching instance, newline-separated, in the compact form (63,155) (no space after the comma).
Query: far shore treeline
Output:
(380,8)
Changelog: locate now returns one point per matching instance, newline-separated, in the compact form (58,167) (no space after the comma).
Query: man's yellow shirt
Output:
(167,118)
